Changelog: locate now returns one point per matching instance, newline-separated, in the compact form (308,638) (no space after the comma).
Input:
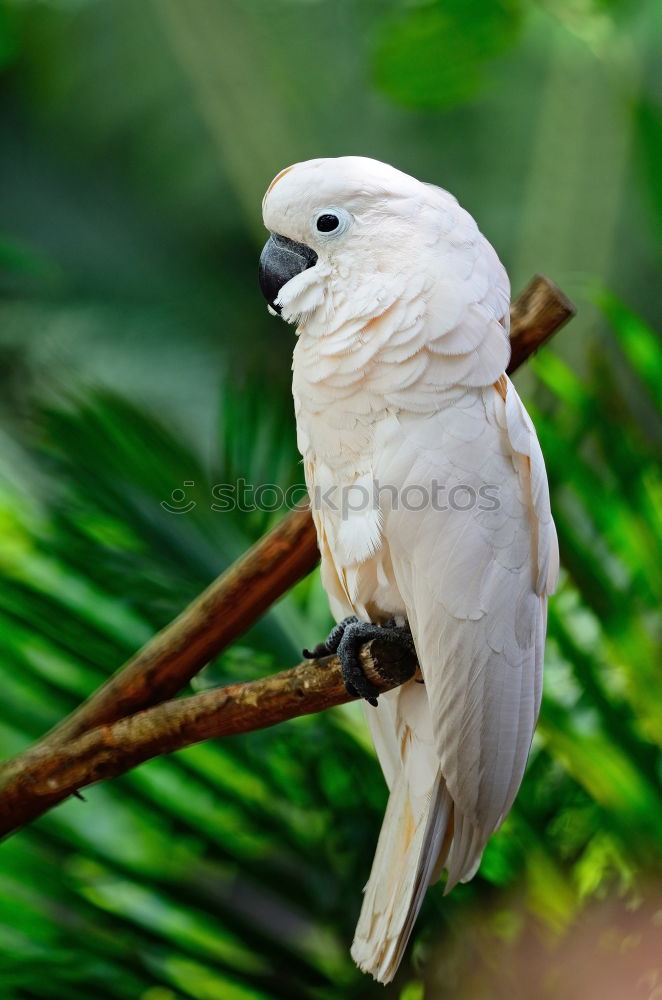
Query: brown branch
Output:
(536,314)
(215,619)
(43,776)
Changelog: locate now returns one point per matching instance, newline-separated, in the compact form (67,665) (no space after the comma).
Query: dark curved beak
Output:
(280,260)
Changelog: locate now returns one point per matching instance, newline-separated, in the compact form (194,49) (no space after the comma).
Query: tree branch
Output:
(118,738)
(42,776)
(536,315)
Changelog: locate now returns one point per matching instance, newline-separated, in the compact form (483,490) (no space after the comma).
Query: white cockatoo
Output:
(430,500)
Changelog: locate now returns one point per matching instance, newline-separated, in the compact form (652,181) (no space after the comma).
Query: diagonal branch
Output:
(41,777)
(536,314)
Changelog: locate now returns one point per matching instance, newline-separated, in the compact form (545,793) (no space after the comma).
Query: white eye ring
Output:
(324,219)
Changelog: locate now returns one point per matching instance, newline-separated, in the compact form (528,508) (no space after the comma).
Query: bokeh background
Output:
(136,355)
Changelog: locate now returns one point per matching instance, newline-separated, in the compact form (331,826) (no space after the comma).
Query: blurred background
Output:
(137,356)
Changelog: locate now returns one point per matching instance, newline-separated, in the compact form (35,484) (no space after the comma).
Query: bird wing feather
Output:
(474,583)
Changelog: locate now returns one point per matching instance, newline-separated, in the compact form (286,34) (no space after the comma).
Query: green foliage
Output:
(8,40)
(437,55)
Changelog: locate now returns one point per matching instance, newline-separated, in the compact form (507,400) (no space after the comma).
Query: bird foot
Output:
(346,639)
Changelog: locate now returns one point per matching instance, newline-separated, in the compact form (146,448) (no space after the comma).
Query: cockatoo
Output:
(430,500)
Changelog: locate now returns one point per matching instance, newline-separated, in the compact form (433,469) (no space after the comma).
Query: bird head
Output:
(347,229)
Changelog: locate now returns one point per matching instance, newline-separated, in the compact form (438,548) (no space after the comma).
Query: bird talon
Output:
(346,639)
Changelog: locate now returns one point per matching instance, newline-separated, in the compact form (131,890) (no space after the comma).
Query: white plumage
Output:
(399,380)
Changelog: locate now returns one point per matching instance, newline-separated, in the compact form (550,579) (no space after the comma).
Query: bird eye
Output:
(332,221)
(327,223)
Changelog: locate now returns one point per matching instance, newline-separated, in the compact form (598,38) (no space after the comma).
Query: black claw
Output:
(316,652)
(346,639)
(356,681)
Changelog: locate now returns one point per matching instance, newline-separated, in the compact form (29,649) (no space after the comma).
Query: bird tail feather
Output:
(413,844)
